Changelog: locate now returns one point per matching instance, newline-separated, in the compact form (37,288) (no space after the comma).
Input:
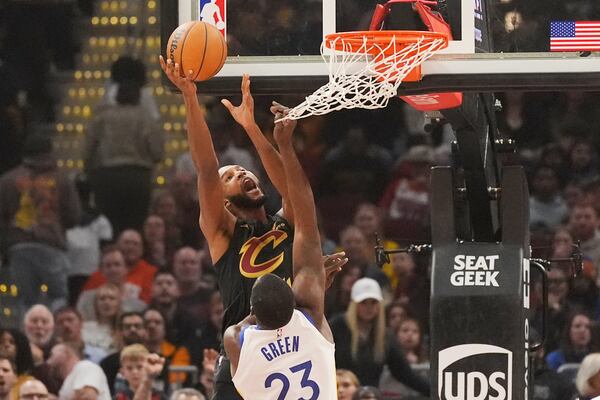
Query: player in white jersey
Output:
(284,349)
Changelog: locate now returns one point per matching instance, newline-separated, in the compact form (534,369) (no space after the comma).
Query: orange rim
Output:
(353,41)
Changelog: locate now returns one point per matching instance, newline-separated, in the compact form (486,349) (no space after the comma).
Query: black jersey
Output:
(255,249)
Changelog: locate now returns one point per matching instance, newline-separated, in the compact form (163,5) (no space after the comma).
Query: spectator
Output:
(183,188)
(583,164)
(8,378)
(367,393)
(99,332)
(207,376)
(337,297)
(187,394)
(165,206)
(588,377)
(37,205)
(15,346)
(114,269)
(82,378)
(355,244)
(39,328)
(154,241)
(68,328)
(547,383)
(195,295)
(369,219)
(122,147)
(576,344)
(410,338)
(395,313)
(33,390)
(406,197)
(132,330)
(140,370)
(84,240)
(347,384)
(207,335)
(558,308)
(139,273)
(547,208)
(362,345)
(157,343)
(583,224)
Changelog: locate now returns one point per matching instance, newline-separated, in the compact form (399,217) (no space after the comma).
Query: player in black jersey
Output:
(244,242)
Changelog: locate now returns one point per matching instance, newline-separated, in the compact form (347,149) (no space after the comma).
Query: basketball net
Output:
(366,73)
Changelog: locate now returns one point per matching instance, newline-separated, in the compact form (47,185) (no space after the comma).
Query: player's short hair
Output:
(134,352)
(272,301)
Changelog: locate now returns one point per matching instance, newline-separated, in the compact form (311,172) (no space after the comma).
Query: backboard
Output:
(278,43)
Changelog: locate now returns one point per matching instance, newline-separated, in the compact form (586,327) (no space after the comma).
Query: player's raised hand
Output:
(185,84)
(284,128)
(333,264)
(154,365)
(244,113)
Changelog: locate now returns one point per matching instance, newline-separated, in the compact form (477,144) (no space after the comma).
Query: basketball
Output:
(199,47)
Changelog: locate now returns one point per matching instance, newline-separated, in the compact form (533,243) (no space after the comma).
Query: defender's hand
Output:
(244,113)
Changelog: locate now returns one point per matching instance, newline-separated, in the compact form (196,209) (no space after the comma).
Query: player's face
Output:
(241,186)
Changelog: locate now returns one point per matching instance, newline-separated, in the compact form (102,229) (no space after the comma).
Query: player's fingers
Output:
(161,61)
(227,104)
(190,74)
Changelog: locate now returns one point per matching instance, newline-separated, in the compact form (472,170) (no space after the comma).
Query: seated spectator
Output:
(576,344)
(154,232)
(38,203)
(410,338)
(206,382)
(68,328)
(547,383)
(187,394)
(140,370)
(165,206)
(583,224)
(355,244)
(588,377)
(337,297)
(99,332)
(183,188)
(582,162)
(195,294)
(367,393)
(84,240)
(558,308)
(157,343)
(207,335)
(33,390)
(131,330)
(8,378)
(82,378)
(395,313)
(15,346)
(139,273)
(369,219)
(114,269)
(406,198)
(39,329)
(347,384)
(547,207)
(362,345)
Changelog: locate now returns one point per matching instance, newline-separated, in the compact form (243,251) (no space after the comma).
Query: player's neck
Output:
(254,214)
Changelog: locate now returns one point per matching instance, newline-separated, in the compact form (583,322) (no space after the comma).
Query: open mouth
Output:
(248,185)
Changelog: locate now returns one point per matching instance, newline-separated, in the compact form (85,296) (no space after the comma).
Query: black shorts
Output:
(224,388)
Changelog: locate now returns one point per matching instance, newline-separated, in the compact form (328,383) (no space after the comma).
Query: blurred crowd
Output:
(112,271)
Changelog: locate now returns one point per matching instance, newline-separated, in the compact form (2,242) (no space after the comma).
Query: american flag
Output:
(574,35)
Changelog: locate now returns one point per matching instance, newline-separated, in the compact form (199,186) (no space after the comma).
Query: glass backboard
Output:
(497,44)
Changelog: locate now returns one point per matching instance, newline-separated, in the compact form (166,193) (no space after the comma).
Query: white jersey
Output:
(289,363)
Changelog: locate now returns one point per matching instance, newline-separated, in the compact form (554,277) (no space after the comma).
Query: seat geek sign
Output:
(470,270)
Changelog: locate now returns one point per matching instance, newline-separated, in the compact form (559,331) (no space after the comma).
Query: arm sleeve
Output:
(401,370)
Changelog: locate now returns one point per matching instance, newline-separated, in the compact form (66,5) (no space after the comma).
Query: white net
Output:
(366,77)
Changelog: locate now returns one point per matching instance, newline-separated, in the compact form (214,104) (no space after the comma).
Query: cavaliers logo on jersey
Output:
(249,267)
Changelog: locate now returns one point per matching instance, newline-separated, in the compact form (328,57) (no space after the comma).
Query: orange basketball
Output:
(199,47)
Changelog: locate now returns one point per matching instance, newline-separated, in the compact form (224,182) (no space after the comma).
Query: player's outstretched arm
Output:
(309,281)
(270,158)
(231,340)
(215,220)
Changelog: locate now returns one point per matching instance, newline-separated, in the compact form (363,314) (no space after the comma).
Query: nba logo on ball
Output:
(213,12)
(475,372)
